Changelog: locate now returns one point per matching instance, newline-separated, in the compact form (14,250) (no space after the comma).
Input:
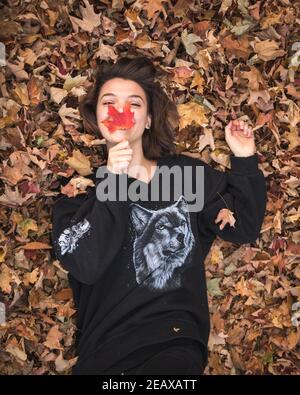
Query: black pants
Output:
(182,357)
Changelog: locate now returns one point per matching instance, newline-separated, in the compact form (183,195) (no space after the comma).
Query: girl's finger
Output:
(121,144)
(222,225)
(125,151)
(218,219)
(124,158)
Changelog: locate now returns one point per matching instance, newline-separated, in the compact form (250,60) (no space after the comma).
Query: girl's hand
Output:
(119,157)
(226,216)
(240,138)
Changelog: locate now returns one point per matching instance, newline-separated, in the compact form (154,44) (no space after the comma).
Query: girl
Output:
(136,267)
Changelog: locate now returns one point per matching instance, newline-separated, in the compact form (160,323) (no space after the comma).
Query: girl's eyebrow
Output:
(112,94)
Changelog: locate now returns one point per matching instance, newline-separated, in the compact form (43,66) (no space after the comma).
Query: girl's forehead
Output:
(121,88)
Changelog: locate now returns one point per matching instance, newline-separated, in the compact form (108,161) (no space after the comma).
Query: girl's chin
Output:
(119,133)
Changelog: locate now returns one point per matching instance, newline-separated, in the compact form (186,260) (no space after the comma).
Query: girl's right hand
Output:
(119,157)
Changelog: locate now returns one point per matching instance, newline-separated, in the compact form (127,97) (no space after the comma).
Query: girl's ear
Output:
(148,124)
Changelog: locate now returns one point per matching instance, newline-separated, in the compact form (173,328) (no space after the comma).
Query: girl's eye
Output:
(133,104)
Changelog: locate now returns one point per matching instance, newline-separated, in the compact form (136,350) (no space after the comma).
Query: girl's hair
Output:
(159,140)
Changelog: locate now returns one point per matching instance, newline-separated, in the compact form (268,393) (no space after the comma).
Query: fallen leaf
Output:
(80,163)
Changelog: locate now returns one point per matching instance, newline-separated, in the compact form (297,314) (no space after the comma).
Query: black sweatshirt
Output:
(136,269)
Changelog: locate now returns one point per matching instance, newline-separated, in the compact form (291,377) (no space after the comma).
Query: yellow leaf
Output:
(31,278)
(3,251)
(22,93)
(25,226)
(57,94)
(191,112)
(71,82)
(5,278)
(80,163)
(216,255)
(242,289)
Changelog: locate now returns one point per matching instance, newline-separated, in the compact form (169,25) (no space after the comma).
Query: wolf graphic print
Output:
(163,244)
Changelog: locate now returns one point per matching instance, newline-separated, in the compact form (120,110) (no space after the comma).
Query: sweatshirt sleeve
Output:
(244,190)
(87,234)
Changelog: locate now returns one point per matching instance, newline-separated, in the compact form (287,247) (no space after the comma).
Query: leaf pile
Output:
(228,59)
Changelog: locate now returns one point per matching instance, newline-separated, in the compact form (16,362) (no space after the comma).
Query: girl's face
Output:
(117,92)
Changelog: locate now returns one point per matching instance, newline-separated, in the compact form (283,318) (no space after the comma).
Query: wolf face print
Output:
(163,244)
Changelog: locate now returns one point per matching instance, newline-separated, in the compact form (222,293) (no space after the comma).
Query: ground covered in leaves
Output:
(222,60)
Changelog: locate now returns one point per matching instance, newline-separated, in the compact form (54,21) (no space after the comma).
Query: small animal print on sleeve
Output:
(68,240)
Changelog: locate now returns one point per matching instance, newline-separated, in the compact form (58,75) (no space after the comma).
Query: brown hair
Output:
(159,140)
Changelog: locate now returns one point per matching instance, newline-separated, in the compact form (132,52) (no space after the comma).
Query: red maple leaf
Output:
(119,120)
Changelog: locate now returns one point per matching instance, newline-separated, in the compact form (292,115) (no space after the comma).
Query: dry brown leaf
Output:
(80,163)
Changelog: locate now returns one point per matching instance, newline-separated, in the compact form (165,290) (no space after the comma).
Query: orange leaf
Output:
(36,245)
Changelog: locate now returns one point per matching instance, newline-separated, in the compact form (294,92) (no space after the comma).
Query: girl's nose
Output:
(119,107)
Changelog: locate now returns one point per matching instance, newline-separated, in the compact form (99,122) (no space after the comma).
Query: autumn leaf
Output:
(80,163)
(89,20)
(62,364)
(26,226)
(57,94)
(119,120)
(268,50)
(15,348)
(53,339)
(213,287)
(6,279)
(31,278)
(36,245)
(68,112)
(192,112)
(19,168)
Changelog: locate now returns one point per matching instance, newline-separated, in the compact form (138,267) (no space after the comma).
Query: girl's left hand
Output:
(226,217)
(240,138)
